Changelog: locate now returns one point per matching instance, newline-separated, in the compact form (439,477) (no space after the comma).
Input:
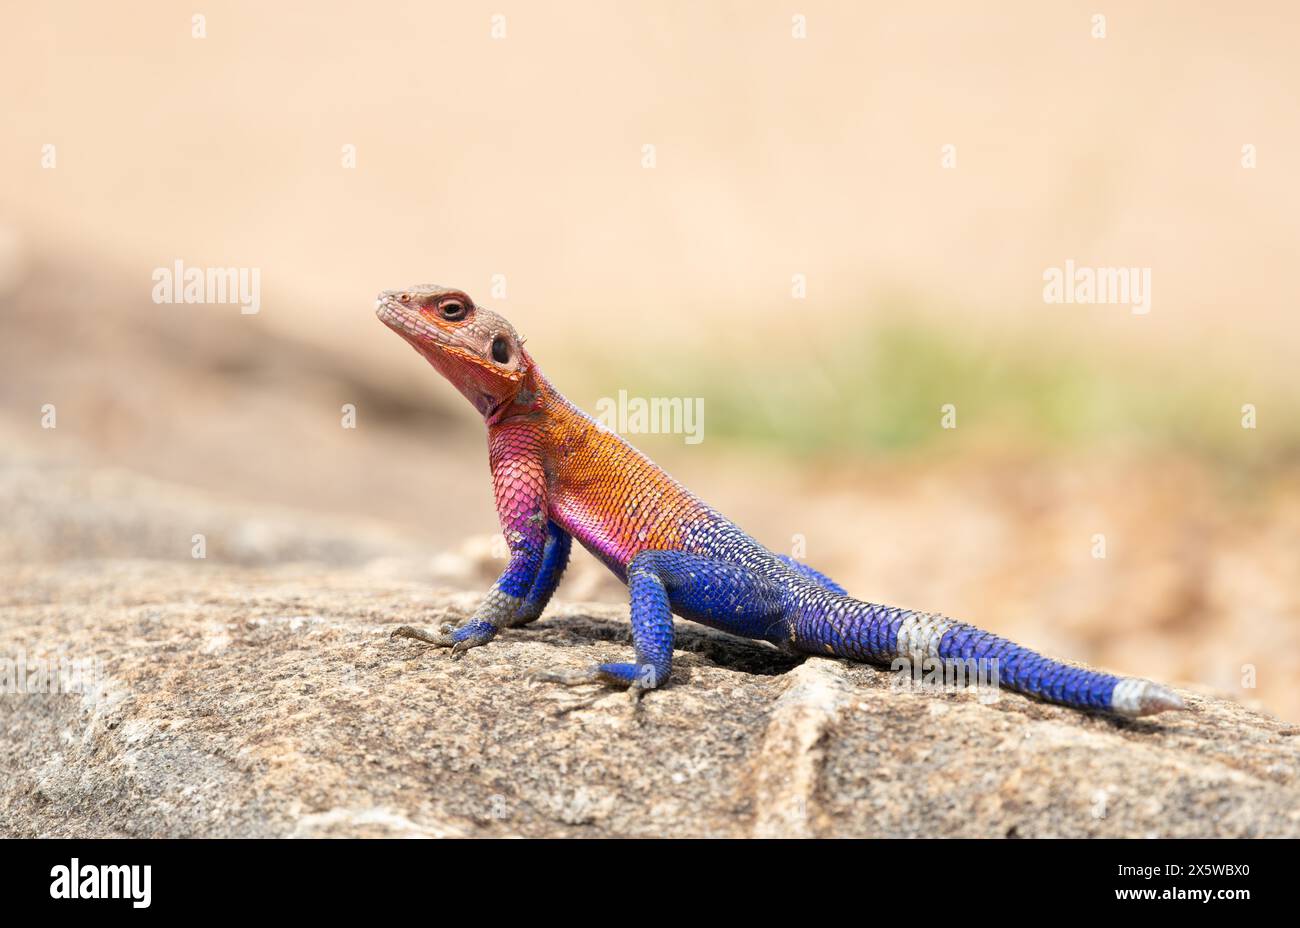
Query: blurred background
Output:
(502,148)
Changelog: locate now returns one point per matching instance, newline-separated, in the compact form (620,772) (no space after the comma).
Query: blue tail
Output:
(881,634)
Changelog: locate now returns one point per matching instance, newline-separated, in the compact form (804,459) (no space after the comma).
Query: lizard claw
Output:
(442,639)
(590,675)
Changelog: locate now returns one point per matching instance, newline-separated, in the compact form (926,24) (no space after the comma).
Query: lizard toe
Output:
(440,639)
(472,634)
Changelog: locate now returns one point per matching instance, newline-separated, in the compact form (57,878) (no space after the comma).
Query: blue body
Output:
(728,581)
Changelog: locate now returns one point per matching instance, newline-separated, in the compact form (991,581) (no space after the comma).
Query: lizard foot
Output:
(470,635)
(636,677)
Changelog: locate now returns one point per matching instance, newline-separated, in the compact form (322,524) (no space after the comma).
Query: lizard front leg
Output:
(555,557)
(519,484)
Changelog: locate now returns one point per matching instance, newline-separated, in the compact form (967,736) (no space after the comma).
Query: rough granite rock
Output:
(245,702)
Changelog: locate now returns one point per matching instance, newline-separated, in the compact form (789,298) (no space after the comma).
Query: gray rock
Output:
(233,701)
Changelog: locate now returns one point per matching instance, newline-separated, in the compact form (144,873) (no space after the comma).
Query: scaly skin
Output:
(558,475)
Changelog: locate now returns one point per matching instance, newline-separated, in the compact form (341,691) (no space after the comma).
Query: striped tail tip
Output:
(1133,697)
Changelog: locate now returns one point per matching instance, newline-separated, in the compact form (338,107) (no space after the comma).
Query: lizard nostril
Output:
(404,298)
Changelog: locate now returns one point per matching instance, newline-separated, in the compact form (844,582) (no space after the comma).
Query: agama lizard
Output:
(559,475)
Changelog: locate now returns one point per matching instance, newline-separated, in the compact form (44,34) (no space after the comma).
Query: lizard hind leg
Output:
(652,638)
(717,593)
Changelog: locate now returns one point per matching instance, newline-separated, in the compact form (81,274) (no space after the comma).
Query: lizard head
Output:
(474,348)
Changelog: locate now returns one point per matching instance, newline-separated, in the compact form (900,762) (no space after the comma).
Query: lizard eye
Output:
(500,350)
(452,310)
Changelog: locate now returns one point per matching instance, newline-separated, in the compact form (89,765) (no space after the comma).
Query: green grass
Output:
(881,389)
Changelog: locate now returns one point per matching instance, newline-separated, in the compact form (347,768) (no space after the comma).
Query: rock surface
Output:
(236,701)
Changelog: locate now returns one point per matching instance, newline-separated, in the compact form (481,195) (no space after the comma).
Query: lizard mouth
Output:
(401,320)
(412,326)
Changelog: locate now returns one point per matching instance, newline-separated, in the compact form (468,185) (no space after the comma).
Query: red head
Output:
(476,349)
